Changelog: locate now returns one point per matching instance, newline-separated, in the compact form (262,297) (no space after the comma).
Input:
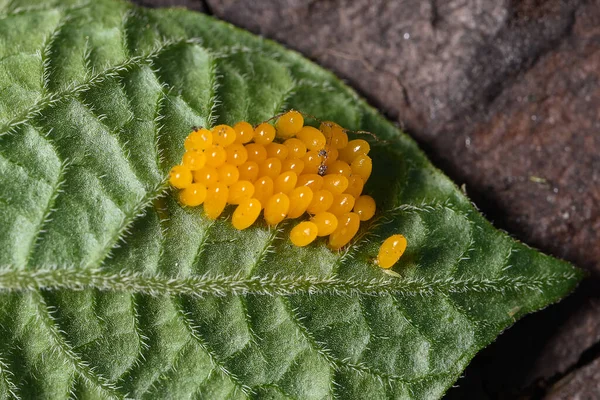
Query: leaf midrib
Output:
(272,285)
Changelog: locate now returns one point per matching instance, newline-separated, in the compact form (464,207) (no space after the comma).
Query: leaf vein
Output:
(195,333)
(334,362)
(203,243)
(266,249)
(398,306)
(47,213)
(137,211)
(6,375)
(122,146)
(78,87)
(80,366)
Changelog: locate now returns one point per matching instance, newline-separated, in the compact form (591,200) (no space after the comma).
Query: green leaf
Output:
(110,289)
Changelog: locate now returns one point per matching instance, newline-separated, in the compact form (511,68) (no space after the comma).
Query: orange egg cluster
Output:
(283,171)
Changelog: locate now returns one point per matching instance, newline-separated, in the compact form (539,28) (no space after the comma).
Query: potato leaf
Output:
(110,289)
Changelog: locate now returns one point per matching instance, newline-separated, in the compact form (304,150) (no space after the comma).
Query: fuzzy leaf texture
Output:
(110,289)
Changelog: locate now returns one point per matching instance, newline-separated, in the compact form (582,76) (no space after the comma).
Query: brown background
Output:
(504,96)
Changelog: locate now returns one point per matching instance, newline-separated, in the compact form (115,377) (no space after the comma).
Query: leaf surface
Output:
(110,289)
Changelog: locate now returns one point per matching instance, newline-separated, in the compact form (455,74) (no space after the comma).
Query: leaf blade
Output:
(112,266)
